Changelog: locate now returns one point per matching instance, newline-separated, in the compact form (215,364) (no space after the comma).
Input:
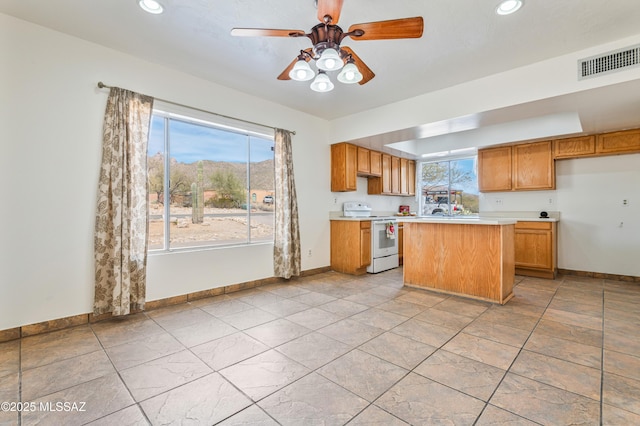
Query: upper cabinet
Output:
(364,162)
(522,167)
(533,167)
(344,165)
(575,147)
(375,160)
(623,142)
(398,177)
(618,142)
(349,161)
(494,169)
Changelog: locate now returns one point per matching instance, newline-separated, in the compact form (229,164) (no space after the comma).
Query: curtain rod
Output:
(101,85)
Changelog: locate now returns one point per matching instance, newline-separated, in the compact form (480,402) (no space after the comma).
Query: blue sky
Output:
(467,165)
(191,142)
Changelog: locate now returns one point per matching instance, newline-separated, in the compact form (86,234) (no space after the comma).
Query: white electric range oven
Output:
(384,236)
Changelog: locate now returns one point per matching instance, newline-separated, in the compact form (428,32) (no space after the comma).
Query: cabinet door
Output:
(375,162)
(533,166)
(386,174)
(364,166)
(395,175)
(575,147)
(411,178)
(343,167)
(494,169)
(618,142)
(365,245)
(404,176)
(533,249)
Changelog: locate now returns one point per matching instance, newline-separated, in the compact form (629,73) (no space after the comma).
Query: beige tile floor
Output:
(333,349)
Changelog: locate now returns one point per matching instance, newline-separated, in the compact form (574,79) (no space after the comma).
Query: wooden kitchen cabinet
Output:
(613,143)
(364,162)
(536,249)
(404,176)
(350,246)
(344,159)
(395,175)
(522,167)
(618,142)
(381,185)
(494,169)
(533,166)
(375,161)
(575,147)
(411,178)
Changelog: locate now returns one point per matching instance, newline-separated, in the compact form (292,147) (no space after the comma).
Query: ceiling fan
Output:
(327,52)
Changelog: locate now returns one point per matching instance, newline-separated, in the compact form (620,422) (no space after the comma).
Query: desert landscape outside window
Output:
(210,184)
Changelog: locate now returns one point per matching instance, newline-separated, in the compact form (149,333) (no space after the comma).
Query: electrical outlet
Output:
(309,253)
(625,203)
(335,201)
(498,201)
(550,200)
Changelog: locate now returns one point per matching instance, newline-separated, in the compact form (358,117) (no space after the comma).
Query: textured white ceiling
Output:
(463,40)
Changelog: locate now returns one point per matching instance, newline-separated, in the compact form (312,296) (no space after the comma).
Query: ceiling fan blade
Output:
(284,75)
(392,29)
(331,8)
(266,32)
(366,72)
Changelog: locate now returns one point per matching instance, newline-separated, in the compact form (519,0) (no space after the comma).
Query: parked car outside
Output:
(268,199)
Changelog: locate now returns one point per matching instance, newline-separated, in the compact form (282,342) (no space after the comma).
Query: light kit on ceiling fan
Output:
(329,60)
(350,73)
(326,51)
(301,71)
(322,83)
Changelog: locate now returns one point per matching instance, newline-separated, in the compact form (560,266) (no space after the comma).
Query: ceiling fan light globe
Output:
(330,60)
(350,74)
(322,83)
(151,6)
(301,71)
(507,7)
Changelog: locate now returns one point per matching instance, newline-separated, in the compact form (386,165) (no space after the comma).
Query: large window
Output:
(449,187)
(210,183)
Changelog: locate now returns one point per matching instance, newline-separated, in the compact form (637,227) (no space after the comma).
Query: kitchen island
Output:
(472,257)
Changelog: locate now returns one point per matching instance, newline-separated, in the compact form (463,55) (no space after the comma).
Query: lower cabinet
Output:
(535,249)
(350,246)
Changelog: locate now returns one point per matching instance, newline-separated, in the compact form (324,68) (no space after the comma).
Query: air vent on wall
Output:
(609,62)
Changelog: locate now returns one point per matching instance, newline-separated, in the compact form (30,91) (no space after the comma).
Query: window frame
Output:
(449,160)
(168,111)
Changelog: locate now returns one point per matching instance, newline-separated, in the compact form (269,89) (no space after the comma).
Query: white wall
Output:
(596,233)
(379,203)
(541,80)
(50,138)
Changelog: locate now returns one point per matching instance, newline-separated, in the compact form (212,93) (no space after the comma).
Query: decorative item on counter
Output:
(544,215)
(404,210)
(391,232)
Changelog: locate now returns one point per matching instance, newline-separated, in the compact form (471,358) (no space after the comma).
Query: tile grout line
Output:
(516,357)
(135,403)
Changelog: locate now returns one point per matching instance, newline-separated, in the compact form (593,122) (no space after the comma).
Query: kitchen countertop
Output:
(484,219)
(459,220)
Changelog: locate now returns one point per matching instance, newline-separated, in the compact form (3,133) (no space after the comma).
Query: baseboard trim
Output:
(600,275)
(75,320)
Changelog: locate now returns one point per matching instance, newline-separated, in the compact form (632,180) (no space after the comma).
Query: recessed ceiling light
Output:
(508,7)
(151,6)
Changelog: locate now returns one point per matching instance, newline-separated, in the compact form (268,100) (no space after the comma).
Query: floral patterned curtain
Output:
(286,251)
(120,241)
